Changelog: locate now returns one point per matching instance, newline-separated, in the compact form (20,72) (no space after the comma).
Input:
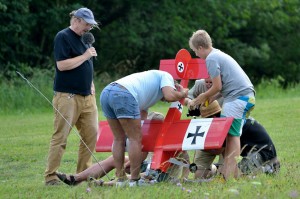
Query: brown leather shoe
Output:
(53,182)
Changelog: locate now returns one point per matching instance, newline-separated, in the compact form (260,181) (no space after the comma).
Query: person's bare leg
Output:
(133,130)
(97,170)
(232,152)
(204,159)
(118,149)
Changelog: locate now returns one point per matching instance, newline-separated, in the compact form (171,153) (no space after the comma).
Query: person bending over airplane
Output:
(125,103)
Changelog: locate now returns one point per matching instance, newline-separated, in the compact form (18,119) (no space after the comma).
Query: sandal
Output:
(71,181)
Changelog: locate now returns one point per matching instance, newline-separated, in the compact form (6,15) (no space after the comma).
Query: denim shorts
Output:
(117,102)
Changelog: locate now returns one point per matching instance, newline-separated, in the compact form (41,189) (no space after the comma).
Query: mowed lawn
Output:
(24,142)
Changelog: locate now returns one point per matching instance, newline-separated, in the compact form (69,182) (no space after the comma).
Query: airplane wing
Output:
(208,133)
(205,133)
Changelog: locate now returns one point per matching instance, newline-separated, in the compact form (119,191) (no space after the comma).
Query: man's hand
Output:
(180,88)
(90,52)
(191,104)
(200,100)
(185,92)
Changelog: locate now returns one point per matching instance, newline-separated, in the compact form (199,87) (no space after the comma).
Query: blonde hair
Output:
(200,38)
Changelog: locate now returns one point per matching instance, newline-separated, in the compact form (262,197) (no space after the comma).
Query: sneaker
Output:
(141,182)
(121,183)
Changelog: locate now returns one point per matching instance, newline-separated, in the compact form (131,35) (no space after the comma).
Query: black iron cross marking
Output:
(179,106)
(180,67)
(195,134)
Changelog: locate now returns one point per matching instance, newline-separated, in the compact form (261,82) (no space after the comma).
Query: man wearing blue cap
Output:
(74,93)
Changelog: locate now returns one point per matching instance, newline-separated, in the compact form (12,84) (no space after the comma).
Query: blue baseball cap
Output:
(86,14)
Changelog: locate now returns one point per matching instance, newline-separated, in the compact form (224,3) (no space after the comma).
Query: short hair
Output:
(200,38)
(72,16)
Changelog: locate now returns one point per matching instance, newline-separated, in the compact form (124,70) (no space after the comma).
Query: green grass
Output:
(25,137)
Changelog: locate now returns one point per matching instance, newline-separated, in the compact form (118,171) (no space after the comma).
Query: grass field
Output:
(25,137)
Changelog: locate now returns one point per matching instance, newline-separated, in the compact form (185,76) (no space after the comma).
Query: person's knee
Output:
(119,138)
(135,138)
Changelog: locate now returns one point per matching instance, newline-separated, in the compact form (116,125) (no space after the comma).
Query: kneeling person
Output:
(257,148)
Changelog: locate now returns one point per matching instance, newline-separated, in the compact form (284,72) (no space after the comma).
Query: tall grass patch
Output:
(273,88)
(17,95)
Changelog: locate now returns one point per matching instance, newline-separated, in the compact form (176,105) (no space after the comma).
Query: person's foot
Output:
(121,183)
(95,182)
(67,179)
(53,182)
(140,182)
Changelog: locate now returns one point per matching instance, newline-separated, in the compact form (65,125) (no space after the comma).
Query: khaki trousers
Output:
(82,112)
(204,159)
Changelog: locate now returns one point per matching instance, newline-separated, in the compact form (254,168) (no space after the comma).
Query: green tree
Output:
(263,36)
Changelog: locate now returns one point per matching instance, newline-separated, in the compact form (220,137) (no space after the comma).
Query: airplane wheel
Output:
(193,168)
(163,177)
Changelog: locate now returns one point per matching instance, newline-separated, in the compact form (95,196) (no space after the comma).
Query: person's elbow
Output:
(218,88)
(60,66)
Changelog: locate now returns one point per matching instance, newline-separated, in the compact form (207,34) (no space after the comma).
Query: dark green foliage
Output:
(263,36)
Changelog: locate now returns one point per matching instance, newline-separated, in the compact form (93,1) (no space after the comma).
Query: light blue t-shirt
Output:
(235,82)
(146,87)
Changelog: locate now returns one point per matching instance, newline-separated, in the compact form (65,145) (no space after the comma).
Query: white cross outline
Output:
(180,67)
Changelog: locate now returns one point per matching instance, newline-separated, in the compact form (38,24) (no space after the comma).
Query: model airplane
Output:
(172,135)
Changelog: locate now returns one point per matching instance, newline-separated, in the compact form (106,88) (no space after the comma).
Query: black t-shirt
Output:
(67,44)
(255,137)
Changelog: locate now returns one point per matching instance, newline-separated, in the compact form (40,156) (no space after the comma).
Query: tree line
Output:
(263,36)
